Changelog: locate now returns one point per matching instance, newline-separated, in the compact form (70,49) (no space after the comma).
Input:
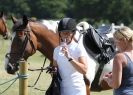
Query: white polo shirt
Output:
(72,81)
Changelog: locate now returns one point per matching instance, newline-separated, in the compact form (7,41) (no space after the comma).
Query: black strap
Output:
(95,84)
(24,46)
(104,59)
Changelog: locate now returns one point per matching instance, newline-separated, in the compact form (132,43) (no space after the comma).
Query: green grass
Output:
(36,61)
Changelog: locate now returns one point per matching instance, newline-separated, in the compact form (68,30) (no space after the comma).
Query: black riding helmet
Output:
(67,24)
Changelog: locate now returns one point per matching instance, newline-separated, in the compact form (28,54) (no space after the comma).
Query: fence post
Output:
(23,80)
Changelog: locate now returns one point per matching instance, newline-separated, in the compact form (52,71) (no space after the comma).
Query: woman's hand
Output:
(108,78)
(107,75)
(65,51)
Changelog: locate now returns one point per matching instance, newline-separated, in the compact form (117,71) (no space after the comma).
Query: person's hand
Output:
(65,51)
(51,69)
(107,76)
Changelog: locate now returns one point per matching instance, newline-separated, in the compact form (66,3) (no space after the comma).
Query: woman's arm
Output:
(55,63)
(80,64)
(114,79)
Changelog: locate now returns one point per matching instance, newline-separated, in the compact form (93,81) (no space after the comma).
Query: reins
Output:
(41,70)
(27,38)
(24,45)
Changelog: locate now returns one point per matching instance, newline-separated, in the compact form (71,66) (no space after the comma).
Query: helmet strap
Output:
(61,40)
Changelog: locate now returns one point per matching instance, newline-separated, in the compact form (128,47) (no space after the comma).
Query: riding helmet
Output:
(67,24)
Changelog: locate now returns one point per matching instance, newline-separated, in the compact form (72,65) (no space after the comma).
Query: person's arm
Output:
(114,79)
(80,65)
(55,63)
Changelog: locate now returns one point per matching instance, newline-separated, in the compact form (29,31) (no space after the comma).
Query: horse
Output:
(4,31)
(51,24)
(29,36)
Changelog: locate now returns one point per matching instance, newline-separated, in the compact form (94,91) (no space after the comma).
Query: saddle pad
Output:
(92,43)
(95,45)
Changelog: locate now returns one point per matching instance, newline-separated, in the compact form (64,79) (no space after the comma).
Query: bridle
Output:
(27,39)
(61,40)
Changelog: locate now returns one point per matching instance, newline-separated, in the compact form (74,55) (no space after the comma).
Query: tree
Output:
(116,11)
(18,7)
(48,8)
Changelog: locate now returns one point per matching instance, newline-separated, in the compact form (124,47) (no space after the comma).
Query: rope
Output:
(9,80)
(22,76)
(9,85)
(25,77)
(18,76)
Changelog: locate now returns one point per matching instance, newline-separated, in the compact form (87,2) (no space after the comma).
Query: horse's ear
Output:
(14,20)
(25,20)
(1,14)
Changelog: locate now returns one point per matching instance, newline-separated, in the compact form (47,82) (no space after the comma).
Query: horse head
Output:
(29,36)
(23,44)
(4,31)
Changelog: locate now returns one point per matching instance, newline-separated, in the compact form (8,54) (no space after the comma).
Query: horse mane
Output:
(32,22)
(38,25)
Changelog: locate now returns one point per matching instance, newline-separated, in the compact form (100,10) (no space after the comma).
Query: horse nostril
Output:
(11,66)
(10,70)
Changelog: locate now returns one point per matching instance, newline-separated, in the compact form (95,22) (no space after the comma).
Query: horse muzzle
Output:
(11,69)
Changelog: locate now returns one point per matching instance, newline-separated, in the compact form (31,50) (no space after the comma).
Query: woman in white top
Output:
(70,59)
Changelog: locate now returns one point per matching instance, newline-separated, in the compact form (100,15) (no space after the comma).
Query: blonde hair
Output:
(124,33)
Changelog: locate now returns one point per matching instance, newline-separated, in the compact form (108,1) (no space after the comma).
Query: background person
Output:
(121,78)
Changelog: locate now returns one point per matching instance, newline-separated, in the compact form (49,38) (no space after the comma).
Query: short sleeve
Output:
(81,51)
(55,54)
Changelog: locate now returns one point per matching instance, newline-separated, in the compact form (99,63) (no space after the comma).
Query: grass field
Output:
(35,61)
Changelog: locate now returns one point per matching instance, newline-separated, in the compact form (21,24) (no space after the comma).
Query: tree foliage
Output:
(48,8)
(116,11)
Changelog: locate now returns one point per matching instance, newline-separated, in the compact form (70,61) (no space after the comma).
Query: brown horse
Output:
(29,36)
(4,31)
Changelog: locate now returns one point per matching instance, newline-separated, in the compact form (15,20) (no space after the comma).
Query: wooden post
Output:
(23,80)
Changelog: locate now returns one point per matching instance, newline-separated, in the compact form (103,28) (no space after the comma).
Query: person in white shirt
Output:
(70,59)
